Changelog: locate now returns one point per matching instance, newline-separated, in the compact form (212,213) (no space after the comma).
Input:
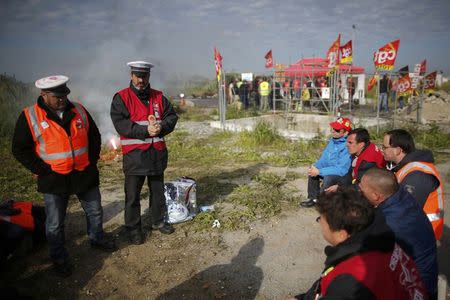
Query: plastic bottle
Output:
(193,199)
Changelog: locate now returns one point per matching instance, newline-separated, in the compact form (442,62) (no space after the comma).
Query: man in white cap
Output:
(143,116)
(57,140)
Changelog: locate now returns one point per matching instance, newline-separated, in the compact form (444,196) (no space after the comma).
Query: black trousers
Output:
(133,187)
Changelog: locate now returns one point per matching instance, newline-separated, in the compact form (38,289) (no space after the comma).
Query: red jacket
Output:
(139,114)
(372,155)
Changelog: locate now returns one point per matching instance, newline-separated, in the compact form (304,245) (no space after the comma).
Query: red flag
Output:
(423,67)
(333,53)
(404,86)
(372,83)
(218,63)
(269,59)
(346,53)
(384,58)
(430,82)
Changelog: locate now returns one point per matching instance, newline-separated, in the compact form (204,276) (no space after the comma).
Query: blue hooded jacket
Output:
(413,232)
(335,159)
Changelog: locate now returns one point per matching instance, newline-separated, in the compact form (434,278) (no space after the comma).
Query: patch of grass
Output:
(262,135)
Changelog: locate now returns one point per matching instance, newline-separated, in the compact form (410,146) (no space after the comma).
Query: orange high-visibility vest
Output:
(434,206)
(139,114)
(52,144)
(24,219)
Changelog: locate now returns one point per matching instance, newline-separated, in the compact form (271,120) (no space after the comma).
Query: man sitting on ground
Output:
(363,261)
(415,170)
(413,231)
(333,165)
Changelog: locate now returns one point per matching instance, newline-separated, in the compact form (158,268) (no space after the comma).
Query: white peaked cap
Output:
(140,66)
(51,82)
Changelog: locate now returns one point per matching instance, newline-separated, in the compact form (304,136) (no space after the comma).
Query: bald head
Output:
(378,184)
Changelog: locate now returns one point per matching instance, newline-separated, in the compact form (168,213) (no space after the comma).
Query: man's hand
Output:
(313,171)
(154,129)
(331,189)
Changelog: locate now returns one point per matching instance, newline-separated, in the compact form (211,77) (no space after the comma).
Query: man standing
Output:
(415,170)
(413,231)
(58,141)
(333,165)
(143,116)
(383,97)
(264,91)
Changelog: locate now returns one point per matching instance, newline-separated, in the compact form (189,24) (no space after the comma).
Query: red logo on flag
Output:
(333,53)
(269,59)
(346,53)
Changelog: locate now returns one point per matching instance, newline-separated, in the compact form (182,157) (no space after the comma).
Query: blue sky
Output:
(91,39)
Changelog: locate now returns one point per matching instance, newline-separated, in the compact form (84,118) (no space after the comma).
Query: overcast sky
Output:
(91,41)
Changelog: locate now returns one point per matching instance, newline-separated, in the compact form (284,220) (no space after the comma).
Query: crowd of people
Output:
(380,208)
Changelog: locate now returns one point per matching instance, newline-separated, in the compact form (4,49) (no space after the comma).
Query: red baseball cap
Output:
(342,123)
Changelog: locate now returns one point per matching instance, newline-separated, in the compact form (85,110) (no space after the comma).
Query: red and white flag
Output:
(404,86)
(429,82)
(423,67)
(384,58)
(269,59)
(218,63)
(333,53)
(346,53)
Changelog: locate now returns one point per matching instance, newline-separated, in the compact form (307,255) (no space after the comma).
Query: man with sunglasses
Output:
(58,141)
(333,165)
(143,116)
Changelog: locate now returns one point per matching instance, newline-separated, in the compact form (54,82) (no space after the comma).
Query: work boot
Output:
(62,269)
(104,245)
(136,237)
(164,228)
(308,203)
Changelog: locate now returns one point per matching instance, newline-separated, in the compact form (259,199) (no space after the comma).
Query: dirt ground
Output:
(275,257)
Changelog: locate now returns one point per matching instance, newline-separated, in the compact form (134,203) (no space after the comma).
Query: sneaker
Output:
(308,203)
(164,228)
(104,245)
(63,269)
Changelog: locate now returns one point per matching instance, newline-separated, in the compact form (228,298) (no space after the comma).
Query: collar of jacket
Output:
(51,114)
(143,95)
(417,155)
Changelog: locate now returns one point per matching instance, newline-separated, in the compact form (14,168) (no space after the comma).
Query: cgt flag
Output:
(384,58)
(430,82)
(404,86)
(346,53)
(269,59)
(423,67)
(372,82)
(333,53)
(218,63)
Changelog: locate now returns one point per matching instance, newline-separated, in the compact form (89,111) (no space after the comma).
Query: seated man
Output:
(412,230)
(333,164)
(363,261)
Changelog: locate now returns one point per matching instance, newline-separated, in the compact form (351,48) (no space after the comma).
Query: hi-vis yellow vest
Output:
(264,88)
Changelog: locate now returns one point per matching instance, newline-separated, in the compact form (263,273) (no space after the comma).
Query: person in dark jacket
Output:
(143,116)
(58,141)
(363,261)
(333,165)
(415,170)
(413,231)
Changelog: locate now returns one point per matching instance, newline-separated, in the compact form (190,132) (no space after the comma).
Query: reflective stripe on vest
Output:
(140,142)
(435,214)
(69,152)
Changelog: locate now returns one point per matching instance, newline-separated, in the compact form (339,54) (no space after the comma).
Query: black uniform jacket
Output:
(23,149)
(138,162)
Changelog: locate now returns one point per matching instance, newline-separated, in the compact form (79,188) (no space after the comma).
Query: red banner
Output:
(384,58)
(423,67)
(430,82)
(333,53)
(404,87)
(269,59)
(346,53)
(218,63)
(372,82)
